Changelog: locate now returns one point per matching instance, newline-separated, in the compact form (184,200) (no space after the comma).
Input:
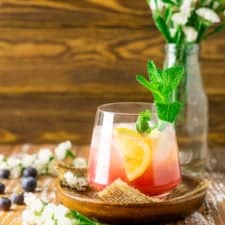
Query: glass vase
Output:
(192,122)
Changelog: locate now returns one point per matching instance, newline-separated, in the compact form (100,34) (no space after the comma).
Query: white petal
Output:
(180,18)
(28,160)
(45,155)
(173,31)
(208,14)
(61,150)
(2,158)
(70,179)
(186,6)
(156,5)
(190,33)
(80,162)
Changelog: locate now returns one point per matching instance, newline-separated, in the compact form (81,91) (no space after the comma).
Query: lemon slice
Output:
(135,150)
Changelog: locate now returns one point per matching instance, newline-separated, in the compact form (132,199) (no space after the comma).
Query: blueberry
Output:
(17,198)
(4,174)
(5,204)
(30,172)
(2,188)
(29,184)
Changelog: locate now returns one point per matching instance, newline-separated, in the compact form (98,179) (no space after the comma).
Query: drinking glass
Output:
(147,162)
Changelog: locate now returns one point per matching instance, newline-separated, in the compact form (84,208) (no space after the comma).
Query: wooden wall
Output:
(60,59)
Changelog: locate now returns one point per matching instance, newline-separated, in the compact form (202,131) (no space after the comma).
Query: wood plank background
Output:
(60,59)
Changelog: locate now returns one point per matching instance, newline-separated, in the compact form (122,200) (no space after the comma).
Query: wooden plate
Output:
(181,202)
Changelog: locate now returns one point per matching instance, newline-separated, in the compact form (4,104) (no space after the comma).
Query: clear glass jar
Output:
(192,123)
(148,162)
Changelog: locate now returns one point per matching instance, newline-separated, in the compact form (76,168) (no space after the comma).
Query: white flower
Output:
(60,215)
(70,179)
(190,33)
(49,221)
(4,165)
(2,158)
(186,7)
(48,212)
(80,162)
(45,155)
(65,221)
(180,18)
(15,166)
(28,160)
(36,213)
(28,217)
(156,5)
(62,149)
(33,203)
(173,32)
(208,14)
(41,166)
(60,211)
(51,168)
(16,172)
(13,162)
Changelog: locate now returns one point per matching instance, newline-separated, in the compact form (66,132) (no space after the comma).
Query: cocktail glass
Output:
(147,162)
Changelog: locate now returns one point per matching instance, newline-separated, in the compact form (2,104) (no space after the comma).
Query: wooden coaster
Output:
(181,202)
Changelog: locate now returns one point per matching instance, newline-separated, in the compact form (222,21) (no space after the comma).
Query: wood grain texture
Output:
(212,211)
(59,60)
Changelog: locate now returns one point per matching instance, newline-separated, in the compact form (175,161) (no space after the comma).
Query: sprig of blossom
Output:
(39,212)
(43,160)
(188,21)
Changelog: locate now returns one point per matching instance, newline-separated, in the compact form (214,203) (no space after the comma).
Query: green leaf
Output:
(162,85)
(154,74)
(161,25)
(81,219)
(142,80)
(168,14)
(173,76)
(168,111)
(179,36)
(70,154)
(151,86)
(171,2)
(142,123)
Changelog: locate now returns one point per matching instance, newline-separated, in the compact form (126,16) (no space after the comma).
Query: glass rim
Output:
(103,108)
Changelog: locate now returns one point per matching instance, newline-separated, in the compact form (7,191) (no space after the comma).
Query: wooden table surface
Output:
(211,213)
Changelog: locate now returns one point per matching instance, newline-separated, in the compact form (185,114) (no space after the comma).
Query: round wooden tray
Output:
(183,201)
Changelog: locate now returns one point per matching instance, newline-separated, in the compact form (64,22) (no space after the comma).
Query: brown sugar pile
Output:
(120,192)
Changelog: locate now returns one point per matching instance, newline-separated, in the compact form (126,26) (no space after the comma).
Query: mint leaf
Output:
(172,78)
(142,123)
(151,86)
(154,74)
(168,111)
(162,84)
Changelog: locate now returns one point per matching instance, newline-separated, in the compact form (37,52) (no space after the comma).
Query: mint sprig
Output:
(162,84)
(142,123)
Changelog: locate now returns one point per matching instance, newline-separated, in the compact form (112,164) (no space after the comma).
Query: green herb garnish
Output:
(142,124)
(81,219)
(162,84)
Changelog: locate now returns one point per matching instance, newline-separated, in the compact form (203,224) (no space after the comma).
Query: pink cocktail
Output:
(148,162)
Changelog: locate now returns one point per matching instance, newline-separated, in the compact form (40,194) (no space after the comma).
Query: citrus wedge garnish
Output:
(135,150)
